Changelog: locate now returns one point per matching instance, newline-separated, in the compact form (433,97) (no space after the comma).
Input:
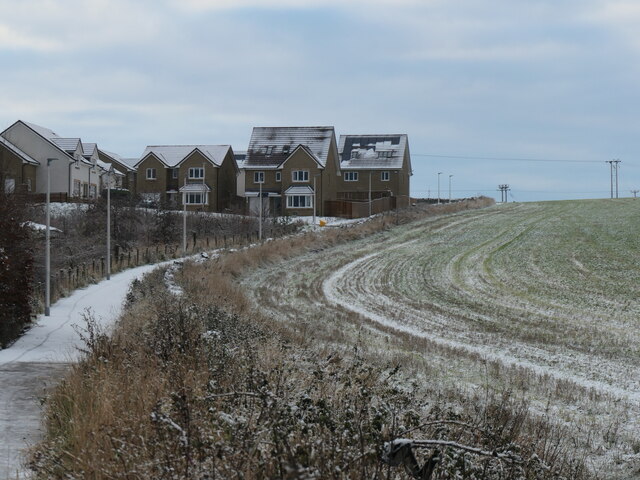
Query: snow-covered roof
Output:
(270,146)
(373,152)
(172,155)
(25,158)
(89,148)
(299,190)
(195,187)
(240,157)
(125,162)
(67,144)
(45,132)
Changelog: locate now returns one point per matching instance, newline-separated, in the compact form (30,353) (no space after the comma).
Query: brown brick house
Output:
(203,176)
(294,167)
(376,166)
(17,169)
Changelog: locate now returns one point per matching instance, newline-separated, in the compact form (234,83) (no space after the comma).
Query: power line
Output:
(504,159)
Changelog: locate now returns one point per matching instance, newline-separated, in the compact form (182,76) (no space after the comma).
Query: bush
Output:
(16,266)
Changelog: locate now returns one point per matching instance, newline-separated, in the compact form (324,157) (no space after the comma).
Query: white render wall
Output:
(40,149)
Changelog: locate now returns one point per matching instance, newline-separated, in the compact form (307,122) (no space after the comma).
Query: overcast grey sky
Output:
(495,81)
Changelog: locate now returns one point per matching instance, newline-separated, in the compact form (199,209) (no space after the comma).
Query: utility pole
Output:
(504,188)
(613,167)
(635,193)
(450,188)
(439,173)
(47,249)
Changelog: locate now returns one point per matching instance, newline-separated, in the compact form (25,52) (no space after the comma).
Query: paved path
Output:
(40,358)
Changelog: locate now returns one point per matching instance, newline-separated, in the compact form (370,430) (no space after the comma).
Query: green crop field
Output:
(540,299)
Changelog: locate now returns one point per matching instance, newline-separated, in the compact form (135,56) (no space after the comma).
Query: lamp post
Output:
(314,197)
(47,249)
(184,217)
(109,222)
(450,188)
(369,192)
(260,215)
(439,173)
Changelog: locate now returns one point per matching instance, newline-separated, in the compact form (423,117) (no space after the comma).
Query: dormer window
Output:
(285,149)
(385,154)
(354,154)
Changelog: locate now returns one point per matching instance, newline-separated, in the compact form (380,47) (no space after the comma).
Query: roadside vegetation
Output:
(16,267)
(206,384)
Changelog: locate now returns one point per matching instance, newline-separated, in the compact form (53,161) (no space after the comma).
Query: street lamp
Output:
(450,188)
(109,222)
(314,197)
(439,173)
(369,192)
(184,217)
(47,249)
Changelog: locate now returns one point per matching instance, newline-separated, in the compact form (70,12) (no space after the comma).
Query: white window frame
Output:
(151,174)
(76,188)
(258,177)
(300,175)
(278,176)
(350,176)
(302,201)
(196,198)
(93,190)
(385,176)
(196,173)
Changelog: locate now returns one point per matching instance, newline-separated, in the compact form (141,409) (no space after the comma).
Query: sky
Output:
(537,94)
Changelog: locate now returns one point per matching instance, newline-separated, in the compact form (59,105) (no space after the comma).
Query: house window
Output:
(28,184)
(174,172)
(278,176)
(269,149)
(285,149)
(9,185)
(298,201)
(85,190)
(384,176)
(300,175)
(76,188)
(385,154)
(92,190)
(350,176)
(195,198)
(196,172)
(151,173)
(258,177)
(354,154)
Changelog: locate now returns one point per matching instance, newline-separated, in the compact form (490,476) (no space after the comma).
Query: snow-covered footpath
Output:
(40,357)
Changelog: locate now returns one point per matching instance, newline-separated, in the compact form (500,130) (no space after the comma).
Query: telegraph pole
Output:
(439,173)
(504,188)
(613,167)
(635,193)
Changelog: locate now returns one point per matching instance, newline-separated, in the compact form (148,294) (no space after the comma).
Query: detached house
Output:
(73,173)
(293,167)
(376,165)
(201,176)
(18,169)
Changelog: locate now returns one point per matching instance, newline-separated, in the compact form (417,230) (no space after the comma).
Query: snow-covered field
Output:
(542,300)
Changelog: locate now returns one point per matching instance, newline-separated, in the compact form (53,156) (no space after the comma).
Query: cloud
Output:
(204,5)
(11,39)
